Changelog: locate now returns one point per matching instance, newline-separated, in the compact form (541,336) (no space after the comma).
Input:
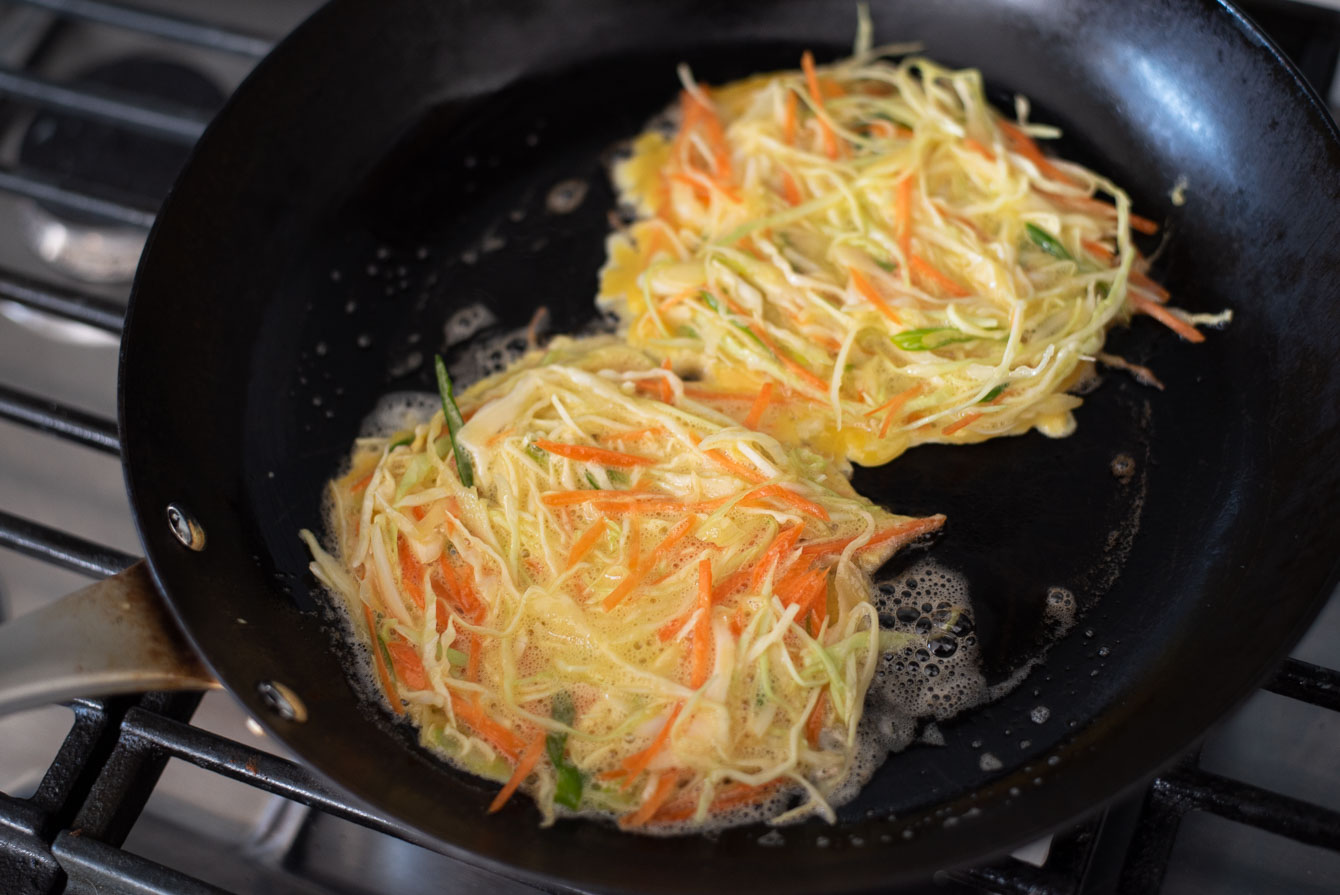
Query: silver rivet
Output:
(186,529)
(282,701)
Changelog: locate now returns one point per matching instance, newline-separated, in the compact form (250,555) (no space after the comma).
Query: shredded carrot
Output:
(898,400)
(523,769)
(1165,316)
(586,454)
(640,570)
(476,655)
(781,546)
(1097,206)
(636,763)
(382,674)
(1142,224)
(814,724)
(362,483)
(408,666)
(808,507)
(667,393)
(978,148)
(789,120)
(734,796)
(665,783)
(678,297)
(966,420)
(585,543)
(906,530)
(817,96)
(502,738)
(1098,250)
(411,572)
(1023,144)
(785,358)
(1138,278)
(467,602)
(924,268)
(790,188)
(760,406)
(905,217)
(752,476)
(702,631)
(867,289)
(701,190)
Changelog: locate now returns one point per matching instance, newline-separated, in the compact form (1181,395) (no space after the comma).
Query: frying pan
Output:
(390,168)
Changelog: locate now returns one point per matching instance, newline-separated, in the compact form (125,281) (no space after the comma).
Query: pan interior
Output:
(327,271)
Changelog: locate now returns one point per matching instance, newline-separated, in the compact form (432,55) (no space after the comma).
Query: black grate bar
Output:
(94,866)
(1246,804)
(1307,682)
(171,27)
(99,313)
(54,194)
(251,766)
(57,419)
(60,548)
(150,117)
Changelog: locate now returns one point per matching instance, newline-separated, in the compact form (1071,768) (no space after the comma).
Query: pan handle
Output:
(115,636)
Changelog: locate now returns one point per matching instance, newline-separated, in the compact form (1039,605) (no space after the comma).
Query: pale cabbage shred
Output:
(544,629)
(1033,320)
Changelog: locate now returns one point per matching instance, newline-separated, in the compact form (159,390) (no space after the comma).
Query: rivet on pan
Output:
(184,526)
(282,701)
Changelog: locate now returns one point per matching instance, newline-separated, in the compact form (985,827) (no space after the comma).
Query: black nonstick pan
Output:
(397,173)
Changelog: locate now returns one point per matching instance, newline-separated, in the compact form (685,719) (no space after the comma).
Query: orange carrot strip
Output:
(678,297)
(814,724)
(523,769)
(867,289)
(382,674)
(1138,223)
(1023,144)
(473,660)
(734,796)
(978,148)
(408,666)
(503,739)
(897,400)
(781,546)
(1098,250)
(640,569)
(636,763)
(789,119)
(817,96)
(924,268)
(1165,316)
(1102,253)
(966,420)
(752,476)
(362,483)
(1143,225)
(667,393)
(575,498)
(909,529)
(905,216)
(411,572)
(808,507)
(665,783)
(790,188)
(585,543)
(586,454)
(760,406)
(702,632)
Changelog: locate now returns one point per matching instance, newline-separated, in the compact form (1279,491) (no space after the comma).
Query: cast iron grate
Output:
(67,835)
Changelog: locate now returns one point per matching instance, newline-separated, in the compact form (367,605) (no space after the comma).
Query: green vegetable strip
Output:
(568,791)
(1048,243)
(454,422)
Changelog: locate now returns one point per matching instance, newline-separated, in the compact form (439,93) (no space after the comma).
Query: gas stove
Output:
(99,105)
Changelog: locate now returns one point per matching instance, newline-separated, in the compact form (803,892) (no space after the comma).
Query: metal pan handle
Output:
(115,636)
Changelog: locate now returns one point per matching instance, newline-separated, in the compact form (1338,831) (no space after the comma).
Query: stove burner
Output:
(111,161)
